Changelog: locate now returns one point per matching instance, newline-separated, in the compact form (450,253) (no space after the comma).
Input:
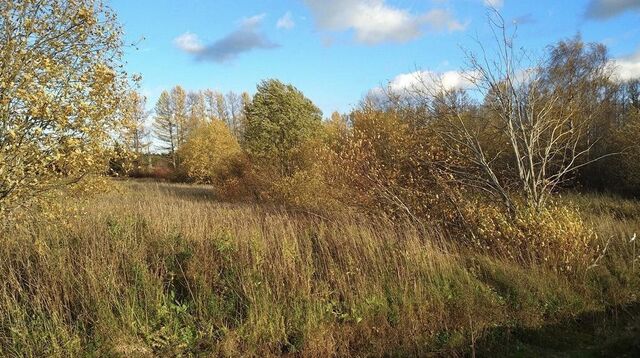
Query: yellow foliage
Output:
(60,99)
(556,236)
(212,155)
(391,166)
(307,190)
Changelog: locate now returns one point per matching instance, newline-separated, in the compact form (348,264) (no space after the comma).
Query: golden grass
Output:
(164,269)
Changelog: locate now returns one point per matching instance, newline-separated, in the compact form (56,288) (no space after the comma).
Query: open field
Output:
(165,269)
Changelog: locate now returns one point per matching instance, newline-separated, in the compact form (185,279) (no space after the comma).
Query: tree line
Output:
(522,130)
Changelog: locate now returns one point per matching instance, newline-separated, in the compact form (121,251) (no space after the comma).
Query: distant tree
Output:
(221,107)
(279,120)
(234,108)
(196,109)
(136,135)
(211,105)
(245,99)
(61,86)
(178,98)
(632,94)
(165,127)
(620,173)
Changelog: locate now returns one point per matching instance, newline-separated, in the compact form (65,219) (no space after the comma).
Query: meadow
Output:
(157,269)
(487,210)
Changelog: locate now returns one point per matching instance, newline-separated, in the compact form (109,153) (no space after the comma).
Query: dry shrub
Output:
(307,190)
(556,237)
(161,173)
(392,165)
(211,155)
(235,183)
(310,187)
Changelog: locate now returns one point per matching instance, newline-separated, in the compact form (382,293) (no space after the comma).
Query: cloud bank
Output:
(374,22)
(430,80)
(628,67)
(425,82)
(245,38)
(605,9)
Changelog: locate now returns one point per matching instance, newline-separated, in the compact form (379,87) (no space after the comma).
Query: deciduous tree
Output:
(61,87)
(210,153)
(178,98)
(544,108)
(136,132)
(165,127)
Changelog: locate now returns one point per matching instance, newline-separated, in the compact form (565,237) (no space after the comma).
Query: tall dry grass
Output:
(161,269)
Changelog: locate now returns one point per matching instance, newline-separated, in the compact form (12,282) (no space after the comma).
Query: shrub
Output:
(556,237)
(390,164)
(212,155)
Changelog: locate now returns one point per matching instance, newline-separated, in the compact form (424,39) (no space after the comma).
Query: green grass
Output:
(165,270)
(614,333)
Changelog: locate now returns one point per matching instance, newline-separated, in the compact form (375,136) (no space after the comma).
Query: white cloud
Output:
(286,22)
(373,21)
(252,21)
(425,82)
(189,42)
(628,67)
(430,80)
(494,3)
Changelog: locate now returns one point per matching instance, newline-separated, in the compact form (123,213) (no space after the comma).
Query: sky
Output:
(336,51)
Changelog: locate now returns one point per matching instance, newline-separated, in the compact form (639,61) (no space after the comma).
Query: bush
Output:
(389,164)
(212,155)
(556,237)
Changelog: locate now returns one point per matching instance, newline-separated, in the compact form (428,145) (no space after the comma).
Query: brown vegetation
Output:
(164,269)
(411,226)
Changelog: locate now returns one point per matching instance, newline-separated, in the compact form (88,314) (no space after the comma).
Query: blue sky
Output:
(335,51)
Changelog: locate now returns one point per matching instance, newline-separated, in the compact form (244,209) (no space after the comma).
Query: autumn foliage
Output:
(61,86)
(211,155)
(419,221)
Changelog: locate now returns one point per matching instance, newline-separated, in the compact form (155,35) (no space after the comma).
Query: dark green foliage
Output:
(279,120)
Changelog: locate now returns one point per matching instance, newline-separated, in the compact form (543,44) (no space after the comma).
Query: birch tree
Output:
(538,112)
